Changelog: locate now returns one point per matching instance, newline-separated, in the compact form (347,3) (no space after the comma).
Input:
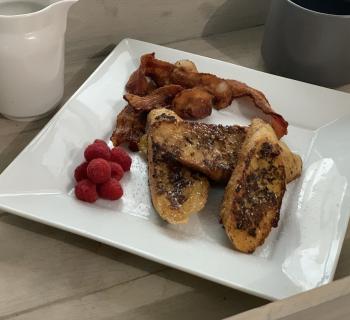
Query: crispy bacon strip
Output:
(219,88)
(240,89)
(165,73)
(160,97)
(131,121)
(130,127)
(224,91)
(139,84)
(159,71)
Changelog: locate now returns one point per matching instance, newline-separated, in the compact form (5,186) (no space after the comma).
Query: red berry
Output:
(100,141)
(110,190)
(97,150)
(85,190)
(117,171)
(80,172)
(120,156)
(98,170)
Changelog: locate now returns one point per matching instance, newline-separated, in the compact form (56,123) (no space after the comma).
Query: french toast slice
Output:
(213,149)
(253,196)
(176,191)
(292,162)
(207,148)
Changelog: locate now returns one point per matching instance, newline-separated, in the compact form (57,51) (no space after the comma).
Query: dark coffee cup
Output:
(309,40)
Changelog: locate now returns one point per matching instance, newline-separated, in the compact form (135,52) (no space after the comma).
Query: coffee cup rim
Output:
(339,16)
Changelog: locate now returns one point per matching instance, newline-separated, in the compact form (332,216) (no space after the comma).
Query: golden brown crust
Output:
(176,191)
(292,162)
(207,148)
(213,149)
(254,194)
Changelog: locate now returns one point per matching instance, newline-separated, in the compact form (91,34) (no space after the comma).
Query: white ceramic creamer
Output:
(31,56)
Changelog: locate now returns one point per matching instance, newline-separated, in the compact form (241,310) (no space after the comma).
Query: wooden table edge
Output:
(311,303)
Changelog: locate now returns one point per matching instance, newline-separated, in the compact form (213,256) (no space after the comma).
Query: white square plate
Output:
(300,254)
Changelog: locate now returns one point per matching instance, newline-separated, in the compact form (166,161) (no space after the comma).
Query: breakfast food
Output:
(85,190)
(293,164)
(97,150)
(117,171)
(254,194)
(223,90)
(217,87)
(182,156)
(138,83)
(189,93)
(193,104)
(130,127)
(120,156)
(186,65)
(99,177)
(98,170)
(110,190)
(163,73)
(80,172)
(176,191)
(240,89)
(158,98)
(101,141)
(207,148)
(189,142)
(258,163)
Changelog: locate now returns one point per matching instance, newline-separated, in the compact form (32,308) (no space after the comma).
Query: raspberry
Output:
(110,190)
(85,190)
(100,141)
(80,172)
(97,150)
(120,156)
(117,171)
(98,170)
